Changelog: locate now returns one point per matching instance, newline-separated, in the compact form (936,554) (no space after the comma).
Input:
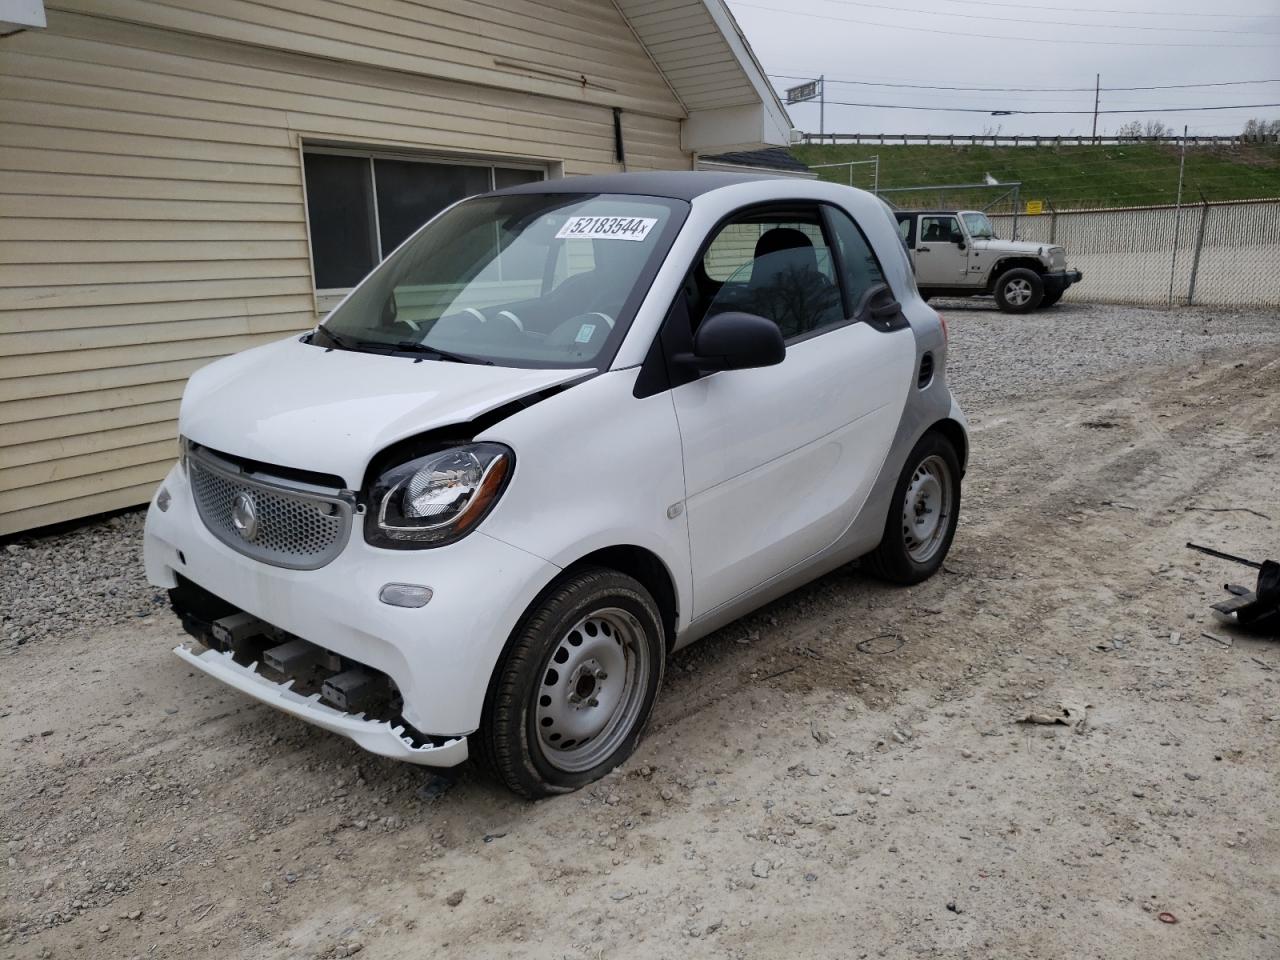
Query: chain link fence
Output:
(1214,254)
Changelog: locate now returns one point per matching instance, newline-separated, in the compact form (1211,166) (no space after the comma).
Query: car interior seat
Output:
(786,285)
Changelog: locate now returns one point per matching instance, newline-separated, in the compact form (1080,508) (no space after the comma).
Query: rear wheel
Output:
(1019,290)
(922,515)
(572,695)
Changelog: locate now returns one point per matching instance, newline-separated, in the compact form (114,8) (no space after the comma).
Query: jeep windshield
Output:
(979,226)
(523,280)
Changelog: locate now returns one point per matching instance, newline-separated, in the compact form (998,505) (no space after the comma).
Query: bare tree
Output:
(1257,127)
(1130,131)
(1136,130)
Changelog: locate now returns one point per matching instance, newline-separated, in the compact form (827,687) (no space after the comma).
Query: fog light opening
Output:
(405,595)
(163,499)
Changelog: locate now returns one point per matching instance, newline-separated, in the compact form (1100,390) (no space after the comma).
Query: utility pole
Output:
(822,106)
(1097,91)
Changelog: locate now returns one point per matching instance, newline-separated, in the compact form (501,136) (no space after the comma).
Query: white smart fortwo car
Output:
(563,430)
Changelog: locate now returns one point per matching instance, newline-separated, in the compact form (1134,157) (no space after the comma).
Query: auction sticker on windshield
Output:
(606,228)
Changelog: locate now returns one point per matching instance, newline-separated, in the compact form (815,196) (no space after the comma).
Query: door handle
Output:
(922,249)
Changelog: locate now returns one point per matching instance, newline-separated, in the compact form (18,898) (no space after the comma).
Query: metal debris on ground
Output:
(882,643)
(1256,513)
(1258,609)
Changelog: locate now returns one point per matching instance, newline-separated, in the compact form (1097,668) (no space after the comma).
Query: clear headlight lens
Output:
(438,497)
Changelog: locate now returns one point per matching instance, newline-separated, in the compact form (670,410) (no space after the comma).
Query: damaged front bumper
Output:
(380,737)
(435,660)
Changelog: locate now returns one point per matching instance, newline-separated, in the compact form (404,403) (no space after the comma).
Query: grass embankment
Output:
(1067,177)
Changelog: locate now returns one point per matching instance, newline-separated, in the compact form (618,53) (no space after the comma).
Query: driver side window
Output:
(776,266)
(940,230)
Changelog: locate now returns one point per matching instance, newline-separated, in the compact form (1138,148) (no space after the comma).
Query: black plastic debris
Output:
(1257,609)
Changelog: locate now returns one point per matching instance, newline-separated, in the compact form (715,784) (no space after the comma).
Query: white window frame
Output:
(328,297)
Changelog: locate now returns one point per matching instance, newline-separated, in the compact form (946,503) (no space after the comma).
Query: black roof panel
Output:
(676,184)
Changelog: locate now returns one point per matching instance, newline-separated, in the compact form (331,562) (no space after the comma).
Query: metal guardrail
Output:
(1000,140)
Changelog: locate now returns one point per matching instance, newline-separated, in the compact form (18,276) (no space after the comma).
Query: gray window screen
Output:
(360,208)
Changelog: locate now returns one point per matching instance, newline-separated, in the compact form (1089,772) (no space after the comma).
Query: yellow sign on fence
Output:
(1035,206)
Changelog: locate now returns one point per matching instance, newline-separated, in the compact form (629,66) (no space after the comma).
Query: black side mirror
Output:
(735,341)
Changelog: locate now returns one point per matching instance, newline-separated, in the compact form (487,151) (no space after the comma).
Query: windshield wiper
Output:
(412,346)
(341,342)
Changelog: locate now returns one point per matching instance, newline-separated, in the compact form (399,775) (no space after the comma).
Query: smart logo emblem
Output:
(244,517)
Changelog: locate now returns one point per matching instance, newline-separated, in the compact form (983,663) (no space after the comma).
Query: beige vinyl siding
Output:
(152,213)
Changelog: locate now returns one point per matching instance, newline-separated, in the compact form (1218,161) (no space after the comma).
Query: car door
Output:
(778,459)
(942,252)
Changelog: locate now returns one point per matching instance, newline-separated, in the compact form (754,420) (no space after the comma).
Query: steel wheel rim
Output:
(592,690)
(926,509)
(1017,291)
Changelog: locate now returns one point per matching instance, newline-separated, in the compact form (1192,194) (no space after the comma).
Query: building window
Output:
(363,206)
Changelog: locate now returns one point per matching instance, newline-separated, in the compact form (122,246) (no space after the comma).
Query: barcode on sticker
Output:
(606,228)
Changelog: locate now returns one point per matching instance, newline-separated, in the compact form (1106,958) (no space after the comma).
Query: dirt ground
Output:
(842,774)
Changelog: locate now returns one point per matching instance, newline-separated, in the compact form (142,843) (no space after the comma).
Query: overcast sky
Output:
(920,42)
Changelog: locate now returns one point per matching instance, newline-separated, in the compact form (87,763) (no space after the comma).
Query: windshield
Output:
(527,280)
(979,226)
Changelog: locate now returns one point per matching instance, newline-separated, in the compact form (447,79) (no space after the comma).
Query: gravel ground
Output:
(803,789)
(75,581)
(998,358)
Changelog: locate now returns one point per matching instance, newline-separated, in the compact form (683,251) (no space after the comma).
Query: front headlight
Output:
(437,498)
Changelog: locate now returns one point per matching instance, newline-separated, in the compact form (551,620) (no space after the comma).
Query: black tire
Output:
(893,560)
(1050,298)
(1016,284)
(509,742)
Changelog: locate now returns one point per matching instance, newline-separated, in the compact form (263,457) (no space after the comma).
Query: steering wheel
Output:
(506,315)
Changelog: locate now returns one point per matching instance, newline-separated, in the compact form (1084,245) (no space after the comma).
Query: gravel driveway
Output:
(804,789)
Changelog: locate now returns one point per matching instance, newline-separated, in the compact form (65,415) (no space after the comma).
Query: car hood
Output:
(1022,247)
(295,405)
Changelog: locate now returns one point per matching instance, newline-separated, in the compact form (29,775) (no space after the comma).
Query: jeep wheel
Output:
(1019,290)
(1050,298)
(569,700)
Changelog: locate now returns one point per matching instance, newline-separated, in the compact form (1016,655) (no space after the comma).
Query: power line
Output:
(1086,113)
(1049,23)
(990,36)
(1142,13)
(927,86)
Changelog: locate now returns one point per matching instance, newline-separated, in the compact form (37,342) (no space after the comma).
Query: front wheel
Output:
(922,515)
(1051,297)
(1019,290)
(572,695)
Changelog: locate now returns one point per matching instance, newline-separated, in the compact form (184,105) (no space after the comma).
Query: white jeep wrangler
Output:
(956,254)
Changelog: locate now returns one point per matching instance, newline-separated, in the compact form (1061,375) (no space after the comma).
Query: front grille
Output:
(281,522)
